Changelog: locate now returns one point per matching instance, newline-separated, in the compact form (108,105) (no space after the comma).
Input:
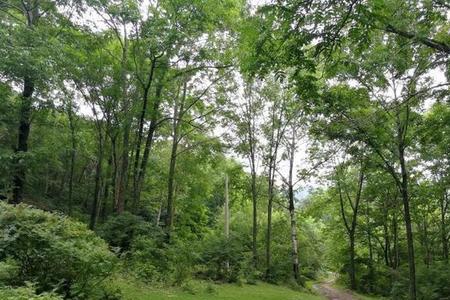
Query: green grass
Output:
(261,291)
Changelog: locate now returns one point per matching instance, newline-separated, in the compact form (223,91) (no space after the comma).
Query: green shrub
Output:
(151,259)
(53,251)
(121,230)
(222,257)
(189,287)
(9,271)
(211,289)
(147,260)
(433,281)
(25,293)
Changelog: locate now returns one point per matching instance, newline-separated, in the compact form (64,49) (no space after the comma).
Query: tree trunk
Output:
(72,156)
(395,236)
(254,194)
(255,217)
(352,261)
(294,241)
(123,167)
(97,188)
(177,115)
(170,191)
(444,234)
(26,107)
(408,224)
(273,151)
(146,90)
(226,210)
(269,230)
(148,145)
(22,143)
(351,228)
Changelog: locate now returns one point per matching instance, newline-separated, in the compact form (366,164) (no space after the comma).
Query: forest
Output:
(224,149)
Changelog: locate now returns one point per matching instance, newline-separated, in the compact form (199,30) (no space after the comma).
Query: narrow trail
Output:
(326,289)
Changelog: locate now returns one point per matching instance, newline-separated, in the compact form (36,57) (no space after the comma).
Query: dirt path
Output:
(326,289)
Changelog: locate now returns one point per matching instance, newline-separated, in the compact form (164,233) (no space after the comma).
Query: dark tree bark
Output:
(408,224)
(148,144)
(434,44)
(26,106)
(97,186)
(140,134)
(22,143)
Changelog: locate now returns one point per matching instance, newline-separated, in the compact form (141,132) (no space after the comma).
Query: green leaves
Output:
(53,251)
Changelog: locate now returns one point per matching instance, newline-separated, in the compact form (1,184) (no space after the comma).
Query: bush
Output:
(433,281)
(25,293)
(52,251)
(153,260)
(222,257)
(121,230)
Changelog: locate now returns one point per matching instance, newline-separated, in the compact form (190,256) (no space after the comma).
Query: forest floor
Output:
(207,291)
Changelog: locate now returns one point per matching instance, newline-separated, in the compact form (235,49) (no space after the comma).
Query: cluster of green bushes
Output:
(46,255)
(148,254)
(49,256)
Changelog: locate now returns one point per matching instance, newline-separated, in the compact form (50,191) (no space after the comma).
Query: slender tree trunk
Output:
(123,167)
(170,190)
(395,236)
(177,115)
(294,241)
(226,210)
(444,233)
(387,243)
(352,261)
(371,269)
(273,151)
(269,228)
(72,156)
(408,224)
(250,133)
(146,90)
(22,144)
(148,144)
(351,228)
(158,216)
(255,217)
(97,187)
(26,107)
(254,194)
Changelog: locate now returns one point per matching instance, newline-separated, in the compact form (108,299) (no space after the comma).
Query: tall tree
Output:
(30,35)
(350,222)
